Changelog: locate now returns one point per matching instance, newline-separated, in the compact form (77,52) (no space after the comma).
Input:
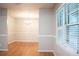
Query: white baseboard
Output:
(48,51)
(3,49)
(45,50)
(21,41)
(25,41)
(48,36)
(11,42)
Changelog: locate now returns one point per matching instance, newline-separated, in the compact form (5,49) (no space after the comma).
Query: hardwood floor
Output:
(24,49)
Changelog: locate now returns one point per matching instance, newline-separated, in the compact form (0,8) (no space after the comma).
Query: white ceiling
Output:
(23,10)
(27,5)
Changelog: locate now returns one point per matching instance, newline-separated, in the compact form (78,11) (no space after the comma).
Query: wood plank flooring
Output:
(24,49)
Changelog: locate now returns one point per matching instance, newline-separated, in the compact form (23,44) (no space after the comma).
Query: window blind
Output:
(68,31)
(73,36)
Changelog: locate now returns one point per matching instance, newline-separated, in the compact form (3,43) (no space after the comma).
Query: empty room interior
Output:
(39,29)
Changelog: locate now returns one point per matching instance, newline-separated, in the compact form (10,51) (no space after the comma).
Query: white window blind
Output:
(72,35)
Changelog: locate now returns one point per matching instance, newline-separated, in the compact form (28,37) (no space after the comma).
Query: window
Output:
(60,35)
(68,31)
(72,7)
(60,17)
(72,35)
(73,18)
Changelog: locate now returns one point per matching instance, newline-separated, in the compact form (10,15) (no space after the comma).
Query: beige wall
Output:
(26,29)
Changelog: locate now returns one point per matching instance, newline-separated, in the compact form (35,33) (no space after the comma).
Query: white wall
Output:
(47,29)
(18,29)
(3,30)
(47,22)
(62,50)
(11,27)
(27,29)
